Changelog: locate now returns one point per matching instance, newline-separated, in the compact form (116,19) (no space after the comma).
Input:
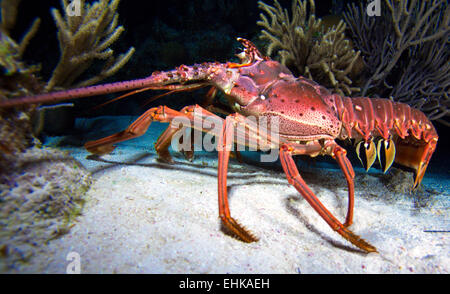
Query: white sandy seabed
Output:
(143,216)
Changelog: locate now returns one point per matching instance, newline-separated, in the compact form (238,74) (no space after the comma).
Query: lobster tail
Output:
(386,153)
(416,157)
(402,134)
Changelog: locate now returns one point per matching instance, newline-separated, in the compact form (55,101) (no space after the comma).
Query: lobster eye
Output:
(240,53)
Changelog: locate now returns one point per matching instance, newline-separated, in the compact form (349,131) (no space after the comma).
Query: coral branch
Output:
(86,38)
(9,13)
(28,36)
(301,42)
(406,53)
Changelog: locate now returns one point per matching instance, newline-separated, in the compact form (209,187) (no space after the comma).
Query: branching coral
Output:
(9,10)
(84,38)
(16,79)
(11,52)
(405,50)
(301,42)
(41,189)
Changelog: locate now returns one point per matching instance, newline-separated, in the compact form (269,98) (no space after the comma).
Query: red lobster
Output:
(310,119)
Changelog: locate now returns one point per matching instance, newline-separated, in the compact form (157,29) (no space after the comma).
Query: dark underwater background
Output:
(166,34)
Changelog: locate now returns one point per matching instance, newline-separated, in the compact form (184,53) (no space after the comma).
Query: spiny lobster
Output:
(310,119)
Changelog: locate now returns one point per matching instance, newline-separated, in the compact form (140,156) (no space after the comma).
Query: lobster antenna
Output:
(79,93)
(175,88)
(184,89)
(120,97)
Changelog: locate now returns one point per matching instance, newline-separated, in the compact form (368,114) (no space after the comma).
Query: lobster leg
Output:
(297,181)
(225,143)
(191,112)
(165,114)
(136,129)
(339,154)
(261,139)
(163,143)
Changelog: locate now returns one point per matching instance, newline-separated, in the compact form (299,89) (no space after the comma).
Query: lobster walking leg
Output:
(136,129)
(191,112)
(258,138)
(163,143)
(225,143)
(339,154)
(297,181)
